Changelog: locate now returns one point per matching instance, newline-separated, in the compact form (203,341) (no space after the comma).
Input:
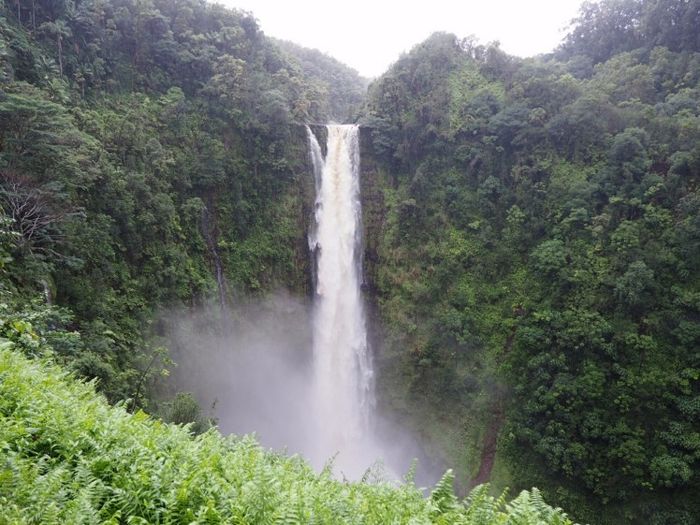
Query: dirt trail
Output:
(489,448)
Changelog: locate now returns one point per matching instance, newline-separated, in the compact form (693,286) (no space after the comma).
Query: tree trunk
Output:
(59,40)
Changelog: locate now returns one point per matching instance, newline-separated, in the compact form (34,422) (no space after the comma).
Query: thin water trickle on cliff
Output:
(342,368)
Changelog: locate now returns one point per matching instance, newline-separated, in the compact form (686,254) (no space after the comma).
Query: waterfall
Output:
(342,370)
(306,387)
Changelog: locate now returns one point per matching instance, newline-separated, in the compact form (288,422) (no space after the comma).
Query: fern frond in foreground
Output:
(66,456)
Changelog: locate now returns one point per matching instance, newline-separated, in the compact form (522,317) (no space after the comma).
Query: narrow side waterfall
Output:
(342,370)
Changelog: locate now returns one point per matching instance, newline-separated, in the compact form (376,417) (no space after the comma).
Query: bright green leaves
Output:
(70,458)
(542,226)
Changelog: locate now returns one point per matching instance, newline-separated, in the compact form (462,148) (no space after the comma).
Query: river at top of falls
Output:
(342,368)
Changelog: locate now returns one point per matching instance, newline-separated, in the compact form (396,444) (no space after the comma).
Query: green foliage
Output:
(341,88)
(68,457)
(604,29)
(534,248)
(183,410)
(150,157)
(534,243)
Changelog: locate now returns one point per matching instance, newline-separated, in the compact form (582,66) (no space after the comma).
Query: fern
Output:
(66,456)
(443,496)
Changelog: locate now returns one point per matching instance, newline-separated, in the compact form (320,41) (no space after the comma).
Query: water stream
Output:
(343,390)
(304,387)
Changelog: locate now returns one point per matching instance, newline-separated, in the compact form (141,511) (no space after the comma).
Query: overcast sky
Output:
(369,35)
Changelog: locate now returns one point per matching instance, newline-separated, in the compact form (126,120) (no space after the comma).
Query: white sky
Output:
(369,35)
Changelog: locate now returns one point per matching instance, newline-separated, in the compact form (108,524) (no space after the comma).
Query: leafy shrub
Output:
(68,457)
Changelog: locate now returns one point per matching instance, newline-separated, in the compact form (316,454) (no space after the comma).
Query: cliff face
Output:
(304,206)
(372,182)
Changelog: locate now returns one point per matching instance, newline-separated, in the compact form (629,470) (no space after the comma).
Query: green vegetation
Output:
(68,457)
(150,156)
(343,88)
(535,259)
(533,253)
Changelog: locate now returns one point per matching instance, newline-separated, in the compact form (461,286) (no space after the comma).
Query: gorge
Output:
(508,275)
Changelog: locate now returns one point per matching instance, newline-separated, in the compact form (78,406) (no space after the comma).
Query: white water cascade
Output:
(323,407)
(343,390)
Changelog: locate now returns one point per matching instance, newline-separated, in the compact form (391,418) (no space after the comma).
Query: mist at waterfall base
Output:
(320,402)
(254,374)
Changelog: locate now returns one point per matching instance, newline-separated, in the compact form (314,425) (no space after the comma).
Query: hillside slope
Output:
(534,254)
(152,156)
(69,457)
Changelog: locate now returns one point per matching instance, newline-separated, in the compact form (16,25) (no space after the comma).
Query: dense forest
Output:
(538,246)
(532,235)
(147,149)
